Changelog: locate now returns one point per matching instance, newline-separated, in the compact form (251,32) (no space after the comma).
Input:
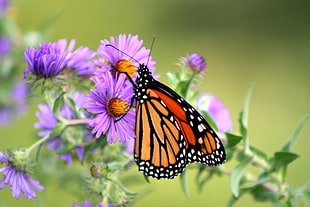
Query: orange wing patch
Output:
(157,137)
(176,109)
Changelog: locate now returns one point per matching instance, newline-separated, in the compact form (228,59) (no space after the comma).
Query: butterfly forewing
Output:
(170,132)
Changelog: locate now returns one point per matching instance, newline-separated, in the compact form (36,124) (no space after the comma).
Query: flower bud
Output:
(196,62)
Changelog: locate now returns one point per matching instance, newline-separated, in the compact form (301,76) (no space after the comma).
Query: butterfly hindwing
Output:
(203,144)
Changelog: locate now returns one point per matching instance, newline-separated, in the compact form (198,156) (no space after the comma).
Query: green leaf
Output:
(261,193)
(146,178)
(244,190)
(289,145)
(232,139)
(244,115)
(172,79)
(279,203)
(57,129)
(124,189)
(59,102)
(234,199)
(284,158)
(229,154)
(183,180)
(203,181)
(259,153)
(72,105)
(210,120)
(184,86)
(237,174)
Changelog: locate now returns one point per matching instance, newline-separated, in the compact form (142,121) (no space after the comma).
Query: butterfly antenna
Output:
(151,49)
(131,58)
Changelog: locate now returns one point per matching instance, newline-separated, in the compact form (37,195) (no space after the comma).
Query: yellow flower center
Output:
(116,107)
(126,66)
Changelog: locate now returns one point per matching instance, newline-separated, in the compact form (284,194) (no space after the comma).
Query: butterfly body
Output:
(170,133)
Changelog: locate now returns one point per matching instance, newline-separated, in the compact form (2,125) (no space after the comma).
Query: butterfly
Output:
(170,133)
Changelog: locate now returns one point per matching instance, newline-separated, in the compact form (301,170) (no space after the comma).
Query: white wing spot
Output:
(200,128)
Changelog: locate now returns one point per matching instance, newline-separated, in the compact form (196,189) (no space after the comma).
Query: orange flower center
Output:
(116,107)
(126,66)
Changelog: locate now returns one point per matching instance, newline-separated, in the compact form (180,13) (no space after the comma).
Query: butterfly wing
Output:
(171,133)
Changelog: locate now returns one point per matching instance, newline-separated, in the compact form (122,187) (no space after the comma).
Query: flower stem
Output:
(36,144)
(76,121)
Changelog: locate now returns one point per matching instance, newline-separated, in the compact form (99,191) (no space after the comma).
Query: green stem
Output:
(36,144)
(189,83)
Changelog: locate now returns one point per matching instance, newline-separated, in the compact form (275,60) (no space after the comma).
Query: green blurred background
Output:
(242,40)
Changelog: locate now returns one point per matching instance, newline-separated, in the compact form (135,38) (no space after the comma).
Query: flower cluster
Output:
(52,58)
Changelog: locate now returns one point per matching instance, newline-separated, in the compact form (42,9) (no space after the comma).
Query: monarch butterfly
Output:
(170,133)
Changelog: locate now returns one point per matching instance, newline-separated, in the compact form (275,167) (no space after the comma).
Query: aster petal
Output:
(71,45)
(14,184)
(80,152)
(119,84)
(3,157)
(24,186)
(111,137)
(3,184)
(66,157)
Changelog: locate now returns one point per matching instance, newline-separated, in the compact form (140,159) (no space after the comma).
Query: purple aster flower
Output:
(109,57)
(14,103)
(196,62)
(49,60)
(18,179)
(80,60)
(47,122)
(87,204)
(217,110)
(5,45)
(109,102)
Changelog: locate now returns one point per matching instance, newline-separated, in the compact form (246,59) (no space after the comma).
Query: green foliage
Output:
(270,184)
(237,174)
